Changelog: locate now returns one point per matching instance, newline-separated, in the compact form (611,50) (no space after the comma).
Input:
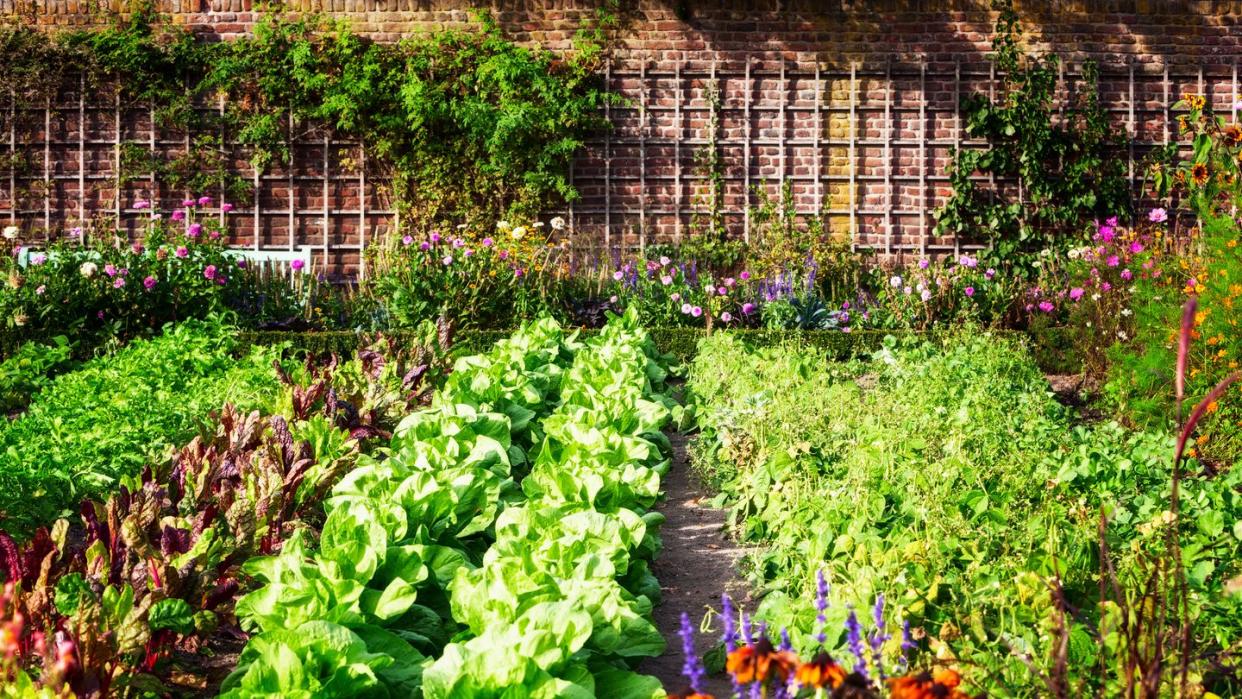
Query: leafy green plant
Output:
(1063,166)
(30,369)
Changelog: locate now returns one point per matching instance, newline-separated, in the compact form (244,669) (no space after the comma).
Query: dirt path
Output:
(696,564)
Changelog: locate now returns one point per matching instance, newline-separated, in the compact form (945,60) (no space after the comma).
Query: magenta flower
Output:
(744,275)
(1158,215)
(1046,306)
(726,317)
(241,264)
(923,263)
(488,242)
(204,201)
(748,308)
(1106,287)
(1126,274)
(504,254)
(407,240)
(149,283)
(722,291)
(110,269)
(142,204)
(226,207)
(435,237)
(467,252)
(1076,293)
(1113,261)
(424,246)
(970,291)
(118,282)
(1106,234)
(189,203)
(1136,247)
(696,311)
(178,215)
(210,272)
(297,265)
(194,230)
(181,251)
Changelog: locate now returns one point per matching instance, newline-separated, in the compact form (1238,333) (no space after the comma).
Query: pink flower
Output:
(226,207)
(137,248)
(666,280)
(729,282)
(435,237)
(970,291)
(664,261)
(744,275)
(448,260)
(110,269)
(194,230)
(488,242)
(989,274)
(1106,286)
(968,261)
(189,203)
(181,251)
(1076,293)
(142,204)
(407,240)
(149,283)
(696,311)
(686,308)
(1106,234)
(210,272)
(38,258)
(726,317)
(458,242)
(1046,306)
(118,282)
(39,291)
(504,254)
(1126,274)
(1136,247)
(618,275)
(467,252)
(675,297)
(1158,215)
(76,231)
(748,308)
(214,235)
(204,201)
(178,215)
(722,291)
(1113,261)
(297,265)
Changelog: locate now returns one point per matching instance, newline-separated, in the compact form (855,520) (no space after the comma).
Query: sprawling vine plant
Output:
(467,124)
(1066,167)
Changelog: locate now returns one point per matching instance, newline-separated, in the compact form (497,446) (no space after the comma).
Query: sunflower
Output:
(821,671)
(759,662)
(925,685)
(1195,102)
(1199,173)
(1233,135)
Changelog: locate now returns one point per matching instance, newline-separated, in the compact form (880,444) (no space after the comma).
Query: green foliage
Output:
(942,475)
(459,580)
(1064,163)
(119,413)
(30,369)
(470,125)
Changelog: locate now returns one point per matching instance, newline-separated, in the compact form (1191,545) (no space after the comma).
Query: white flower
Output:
(518,233)
(1126,312)
(538,224)
(502,226)
(10,232)
(926,295)
(908,291)
(558,223)
(1121,334)
(895,282)
(88,269)
(1075,253)
(1095,297)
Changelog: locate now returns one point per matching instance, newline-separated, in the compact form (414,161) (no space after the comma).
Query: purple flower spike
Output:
(854,639)
(786,644)
(747,632)
(821,606)
(693,668)
(907,642)
(730,628)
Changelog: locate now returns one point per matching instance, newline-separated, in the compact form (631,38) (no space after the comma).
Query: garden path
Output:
(697,563)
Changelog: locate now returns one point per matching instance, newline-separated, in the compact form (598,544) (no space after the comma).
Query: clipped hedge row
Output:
(1052,348)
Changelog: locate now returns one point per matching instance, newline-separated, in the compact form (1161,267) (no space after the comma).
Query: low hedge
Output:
(1053,351)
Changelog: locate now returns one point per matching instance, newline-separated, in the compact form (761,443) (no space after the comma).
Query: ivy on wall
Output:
(467,125)
(1065,164)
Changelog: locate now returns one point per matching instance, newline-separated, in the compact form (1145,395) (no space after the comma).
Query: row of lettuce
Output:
(497,537)
(944,481)
(500,543)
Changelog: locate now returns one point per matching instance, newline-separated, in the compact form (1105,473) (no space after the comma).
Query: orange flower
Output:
(925,685)
(1199,173)
(690,694)
(760,662)
(821,671)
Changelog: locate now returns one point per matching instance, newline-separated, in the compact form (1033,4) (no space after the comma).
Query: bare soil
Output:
(697,564)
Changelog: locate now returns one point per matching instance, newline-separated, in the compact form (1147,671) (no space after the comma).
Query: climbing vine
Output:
(466,124)
(1066,167)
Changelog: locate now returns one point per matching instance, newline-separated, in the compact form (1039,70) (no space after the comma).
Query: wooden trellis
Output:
(863,145)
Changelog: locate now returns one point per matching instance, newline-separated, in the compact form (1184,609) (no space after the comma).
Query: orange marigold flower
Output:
(759,662)
(943,684)
(821,671)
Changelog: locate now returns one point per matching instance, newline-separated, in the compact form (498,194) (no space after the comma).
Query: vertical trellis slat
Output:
(289,183)
(47,167)
(12,157)
(1166,104)
(608,160)
(817,160)
(642,156)
(783,133)
(957,128)
(923,220)
(224,146)
(679,133)
(1233,93)
(362,209)
(153,195)
(258,198)
(888,157)
(116,159)
(853,195)
(327,192)
(747,89)
(1131,128)
(81,153)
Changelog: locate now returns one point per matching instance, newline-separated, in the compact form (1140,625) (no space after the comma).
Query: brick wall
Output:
(853,102)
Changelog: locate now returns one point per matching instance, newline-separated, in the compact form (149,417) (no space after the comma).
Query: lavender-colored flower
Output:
(38,258)
(447,260)
(618,275)
(1158,215)
(241,264)
(693,669)
(424,246)
(142,204)
(747,632)
(907,640)
(488,242)
(854,639)
(686,308)
(785,643)
(989,274)
(821,606)
(729,636)
(407,240)
(1076,293)
(726,317)
(924,263)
